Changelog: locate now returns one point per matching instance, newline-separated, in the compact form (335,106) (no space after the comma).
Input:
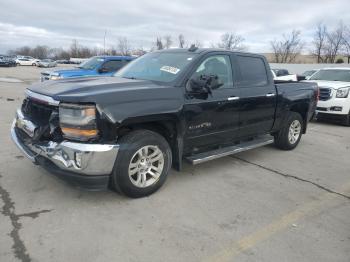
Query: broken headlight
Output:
(78,121)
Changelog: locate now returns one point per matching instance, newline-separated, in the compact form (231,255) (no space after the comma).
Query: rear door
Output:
(257,102)
(212,120)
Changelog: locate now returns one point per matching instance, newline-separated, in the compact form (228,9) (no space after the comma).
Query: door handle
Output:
(270,94)
(233,98)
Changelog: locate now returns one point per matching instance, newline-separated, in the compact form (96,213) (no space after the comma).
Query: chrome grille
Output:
(325,93)
(45,117)
(37,112)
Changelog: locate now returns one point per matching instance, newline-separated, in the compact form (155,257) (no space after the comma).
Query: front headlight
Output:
(343,92)
(78,121)
(55,77)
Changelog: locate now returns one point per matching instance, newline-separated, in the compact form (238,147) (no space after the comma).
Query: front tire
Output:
(142,165)
(290,134)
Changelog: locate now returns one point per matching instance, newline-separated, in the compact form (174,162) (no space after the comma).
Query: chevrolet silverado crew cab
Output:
(334,103)
(128,130)
(95,66)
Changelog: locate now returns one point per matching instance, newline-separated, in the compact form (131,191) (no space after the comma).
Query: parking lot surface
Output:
(260,205)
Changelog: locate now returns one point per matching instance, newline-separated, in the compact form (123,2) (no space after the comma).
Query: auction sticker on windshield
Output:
(170,69)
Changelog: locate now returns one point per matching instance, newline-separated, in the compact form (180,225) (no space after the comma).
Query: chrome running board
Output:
(229,150)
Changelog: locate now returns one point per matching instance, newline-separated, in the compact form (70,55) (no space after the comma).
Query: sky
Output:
(57,23)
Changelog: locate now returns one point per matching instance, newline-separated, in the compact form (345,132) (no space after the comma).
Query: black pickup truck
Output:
(128,130)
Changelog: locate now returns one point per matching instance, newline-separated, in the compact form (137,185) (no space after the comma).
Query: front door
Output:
(213,119)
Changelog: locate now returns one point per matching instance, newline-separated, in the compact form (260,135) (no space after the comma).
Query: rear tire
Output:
(290,134)
(142,165)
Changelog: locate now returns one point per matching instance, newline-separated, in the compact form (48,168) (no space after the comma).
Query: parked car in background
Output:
(7,61)
(63,61)
(334,98)
(77,61)
(283,75)
(307,74)
(47,63)
(27,61)
(127,131)
(95,66)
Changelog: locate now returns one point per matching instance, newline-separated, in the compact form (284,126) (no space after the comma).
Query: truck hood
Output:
(83,88)
(330,84)
(115,97)
(75,72)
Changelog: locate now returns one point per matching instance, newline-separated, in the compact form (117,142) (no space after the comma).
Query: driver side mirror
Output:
(203,84)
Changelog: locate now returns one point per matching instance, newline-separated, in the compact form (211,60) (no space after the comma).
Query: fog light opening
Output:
(336,108)
(78,159)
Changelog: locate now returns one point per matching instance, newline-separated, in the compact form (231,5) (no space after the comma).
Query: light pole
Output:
(104,43)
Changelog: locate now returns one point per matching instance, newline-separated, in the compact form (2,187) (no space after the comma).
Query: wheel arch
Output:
(302,109)
(169,127)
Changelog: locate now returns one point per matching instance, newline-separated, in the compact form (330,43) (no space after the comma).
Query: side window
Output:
(218,65)
(253,71)
(114,65)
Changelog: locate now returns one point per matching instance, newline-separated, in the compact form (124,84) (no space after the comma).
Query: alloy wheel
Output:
(294,131)
(146,166)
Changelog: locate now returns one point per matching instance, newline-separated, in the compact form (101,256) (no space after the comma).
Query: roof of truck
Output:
(109,57)
(204,50)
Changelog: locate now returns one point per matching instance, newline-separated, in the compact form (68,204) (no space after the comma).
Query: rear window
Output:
(253,71)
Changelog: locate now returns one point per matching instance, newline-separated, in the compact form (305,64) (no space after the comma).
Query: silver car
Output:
(47,63)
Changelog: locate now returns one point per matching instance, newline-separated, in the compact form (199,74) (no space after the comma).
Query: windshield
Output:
(332,75)
(92,63)
(162,67)
(308,73)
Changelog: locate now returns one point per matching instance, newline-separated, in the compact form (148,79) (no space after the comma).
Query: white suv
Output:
(334,99)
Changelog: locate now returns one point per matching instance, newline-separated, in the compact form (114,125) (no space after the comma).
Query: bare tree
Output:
(59,53)
(287,49)
(167,41)
(159,43)
(24,50)
(335,41)
(319,42)
(40,51)
(181,39)
(123,46)
(232,41)
(56,53)
(74,48)
(346,41)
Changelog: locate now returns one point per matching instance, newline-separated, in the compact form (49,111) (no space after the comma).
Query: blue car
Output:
(95,66)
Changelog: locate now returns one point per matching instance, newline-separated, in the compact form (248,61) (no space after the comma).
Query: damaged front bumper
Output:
(84,164)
